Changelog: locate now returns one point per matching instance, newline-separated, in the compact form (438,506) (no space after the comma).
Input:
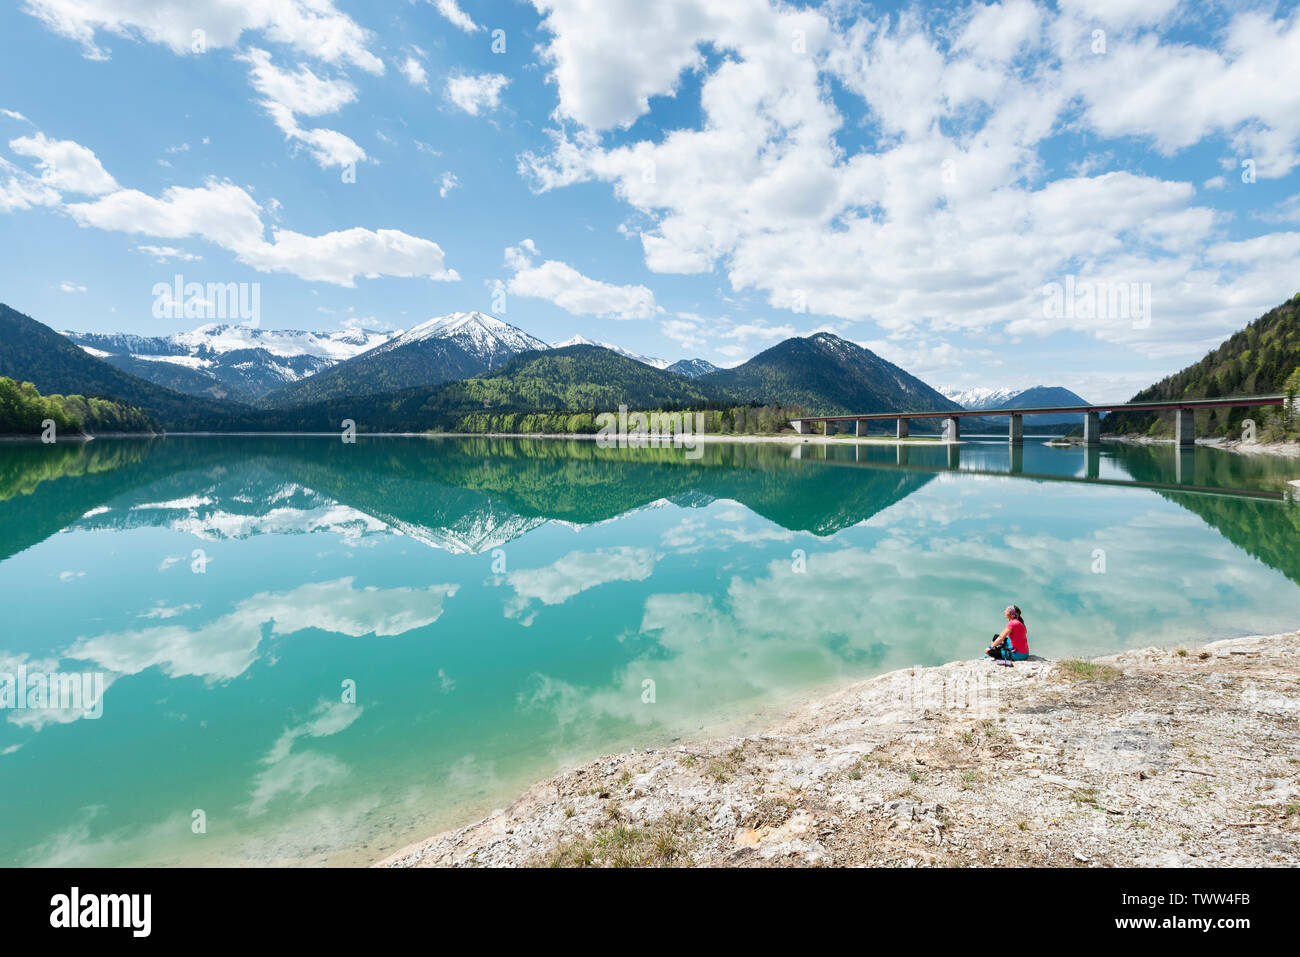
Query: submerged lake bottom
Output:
(315,652)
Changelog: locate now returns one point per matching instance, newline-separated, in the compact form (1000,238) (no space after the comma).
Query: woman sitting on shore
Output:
(1012,643)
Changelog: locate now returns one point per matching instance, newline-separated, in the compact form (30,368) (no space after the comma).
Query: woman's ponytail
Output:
(1015,613)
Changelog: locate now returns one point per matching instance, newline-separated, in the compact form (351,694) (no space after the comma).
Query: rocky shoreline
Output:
(1146,758)
(1289,449)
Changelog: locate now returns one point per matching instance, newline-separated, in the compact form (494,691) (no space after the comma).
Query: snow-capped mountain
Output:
(487,337)
(692,368)
(224,360)
(584,341)
(217,339)
(284,368)
(981,398)
(442,349)
(1034,396)
(1039,396)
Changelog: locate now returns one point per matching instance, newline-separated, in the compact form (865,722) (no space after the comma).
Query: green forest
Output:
(23,410)
(738,420)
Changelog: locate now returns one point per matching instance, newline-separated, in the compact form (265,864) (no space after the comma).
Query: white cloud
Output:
(575,573)
(452,11)
(949,218)
(561,284)
(161,610)
(1120,13)
(164,254)
(448,183)
(685,329)
(310,28)
(1177,94)
(14,115)
(226,215)
(476,94)
(301,91)
(298,773)
(313,28)
(340,256)
(287,94)
(218,211)
(225,647)
(367,324)
(64,165)
(734,340)
(73,287)
(21,190)
(603,86)
(414,71)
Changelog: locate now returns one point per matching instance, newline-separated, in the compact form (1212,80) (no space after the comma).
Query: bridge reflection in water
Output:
(1174,467)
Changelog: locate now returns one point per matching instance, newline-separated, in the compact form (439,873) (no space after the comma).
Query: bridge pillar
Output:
(1185,428)
(1091,428)
(902,428)
(831,427)
(1016,430)
(860,428)
(801,426)
(952,429)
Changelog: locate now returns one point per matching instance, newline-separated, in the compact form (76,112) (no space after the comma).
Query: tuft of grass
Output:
(1085,796)
(725,768)
(665,843)
(1082,670)
(770,811)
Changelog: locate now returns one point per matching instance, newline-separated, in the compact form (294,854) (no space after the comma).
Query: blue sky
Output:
(684,178)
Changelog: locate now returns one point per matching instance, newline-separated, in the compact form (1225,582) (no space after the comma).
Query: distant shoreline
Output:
(792,438)
(1284,449)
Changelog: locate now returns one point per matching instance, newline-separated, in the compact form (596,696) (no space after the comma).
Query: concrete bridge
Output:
(1183,410)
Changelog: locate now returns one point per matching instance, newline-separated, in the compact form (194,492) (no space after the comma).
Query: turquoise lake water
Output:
(498,607)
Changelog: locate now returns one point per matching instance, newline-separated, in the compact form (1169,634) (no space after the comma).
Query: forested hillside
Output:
(826,375)
(1258,360)
(33,352)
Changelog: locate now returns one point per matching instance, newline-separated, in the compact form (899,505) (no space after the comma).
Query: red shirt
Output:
(1018,636)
